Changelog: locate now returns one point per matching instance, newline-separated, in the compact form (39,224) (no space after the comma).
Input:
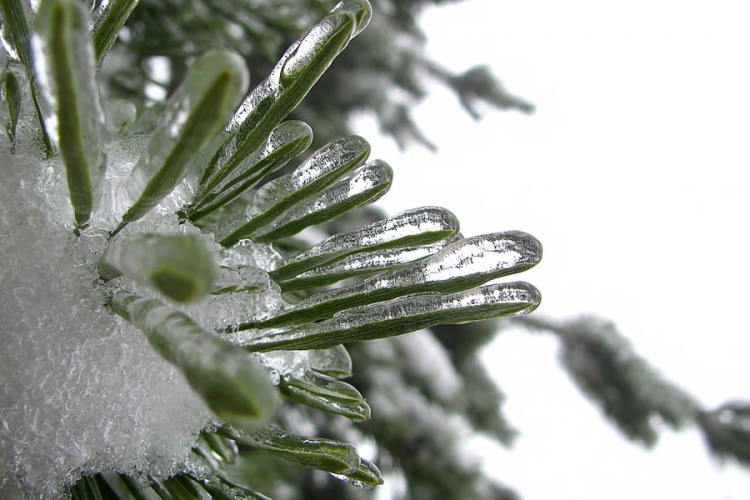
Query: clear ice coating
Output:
(366,186)
(312,44)
(21,13)
(367,476)
(287,140)
(182,267)
(347,19)
(323,454)
(107,17)
(324,386)
(462,264)
(81,391)
(194,115)
(7,41)
(412,228)
(361,10)
(324,393)
(74,120)
(334,362)
(12,93)
(323,167)
(358,264)
(119,114)
(403,315)
(287,84)
(100,8)
(255,298)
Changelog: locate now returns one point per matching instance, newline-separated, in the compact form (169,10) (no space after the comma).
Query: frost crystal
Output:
(81,389)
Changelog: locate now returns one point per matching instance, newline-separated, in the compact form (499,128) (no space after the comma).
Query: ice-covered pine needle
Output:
(182,267)
(229,379)
(73,116)
(201,107)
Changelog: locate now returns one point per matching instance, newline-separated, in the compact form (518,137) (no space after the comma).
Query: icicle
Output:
(459,266)
(412,228)
(405,315)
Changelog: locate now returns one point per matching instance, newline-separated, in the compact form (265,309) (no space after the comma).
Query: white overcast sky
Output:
(634,173)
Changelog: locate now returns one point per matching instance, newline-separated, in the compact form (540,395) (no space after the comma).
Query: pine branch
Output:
(631,392)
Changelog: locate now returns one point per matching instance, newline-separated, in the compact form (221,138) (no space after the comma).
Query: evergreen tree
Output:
(163,96)
(387,59)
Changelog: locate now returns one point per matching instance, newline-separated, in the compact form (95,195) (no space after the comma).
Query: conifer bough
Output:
(177,214)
